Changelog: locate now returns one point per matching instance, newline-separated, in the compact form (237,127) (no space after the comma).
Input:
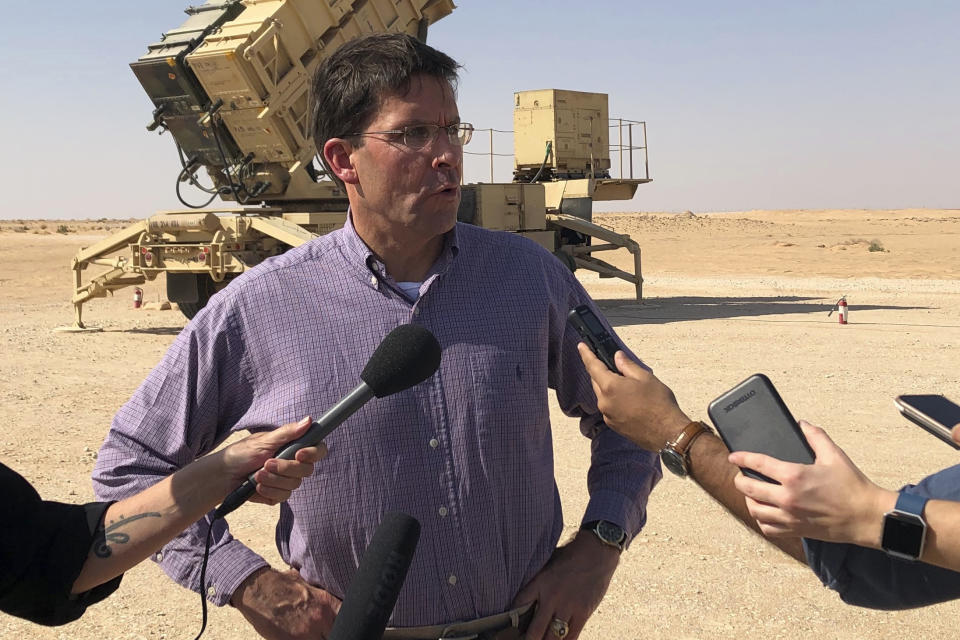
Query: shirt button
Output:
(434,443)
(159,557)
(442,511)
(416,311)
(452,579)
(211,591)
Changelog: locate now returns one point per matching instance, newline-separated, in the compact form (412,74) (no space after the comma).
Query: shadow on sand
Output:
(679,309)
(152,331)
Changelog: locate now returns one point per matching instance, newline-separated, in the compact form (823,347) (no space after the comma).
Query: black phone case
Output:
(753,417)
(600,342)
(921,418)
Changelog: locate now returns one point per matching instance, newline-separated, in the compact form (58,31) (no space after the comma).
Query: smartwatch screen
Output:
(903,534)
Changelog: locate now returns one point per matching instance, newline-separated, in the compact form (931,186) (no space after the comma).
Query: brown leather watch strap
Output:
(682,443)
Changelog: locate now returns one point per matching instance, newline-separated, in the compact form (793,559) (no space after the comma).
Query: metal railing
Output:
(620,148)
(630,147)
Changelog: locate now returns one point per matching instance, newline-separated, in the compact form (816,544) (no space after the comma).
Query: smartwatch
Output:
(676,454)
(904,529)
(609,533)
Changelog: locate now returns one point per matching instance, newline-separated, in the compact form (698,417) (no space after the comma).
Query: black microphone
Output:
(407,356)
(372,594)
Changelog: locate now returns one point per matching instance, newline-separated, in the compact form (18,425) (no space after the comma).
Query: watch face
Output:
(610,532)
(674,462)
(903,535)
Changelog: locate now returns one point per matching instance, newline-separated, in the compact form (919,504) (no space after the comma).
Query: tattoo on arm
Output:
(111,534)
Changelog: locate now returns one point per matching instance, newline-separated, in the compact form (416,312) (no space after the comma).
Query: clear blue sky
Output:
(749,105)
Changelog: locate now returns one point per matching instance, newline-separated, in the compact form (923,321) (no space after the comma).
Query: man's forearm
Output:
(711,470)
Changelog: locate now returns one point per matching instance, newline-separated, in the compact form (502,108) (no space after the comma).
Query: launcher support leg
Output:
(639,274)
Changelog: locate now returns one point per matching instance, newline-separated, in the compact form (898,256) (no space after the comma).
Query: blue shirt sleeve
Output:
(870,578)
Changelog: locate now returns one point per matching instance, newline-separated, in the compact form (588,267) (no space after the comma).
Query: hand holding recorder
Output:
(635,403)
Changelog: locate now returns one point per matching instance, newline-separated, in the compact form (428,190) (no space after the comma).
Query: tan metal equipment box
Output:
(504,207)
(575,122)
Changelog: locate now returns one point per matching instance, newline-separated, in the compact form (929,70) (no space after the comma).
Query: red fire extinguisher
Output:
(137,297)
(841,310)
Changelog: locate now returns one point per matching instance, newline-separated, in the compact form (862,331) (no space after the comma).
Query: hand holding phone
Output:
(752,417)
(588,325)
(933,412)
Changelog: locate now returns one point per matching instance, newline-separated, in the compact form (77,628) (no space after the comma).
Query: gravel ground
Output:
(748,304)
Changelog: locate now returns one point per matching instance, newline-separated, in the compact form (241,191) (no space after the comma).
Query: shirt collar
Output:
(359,253)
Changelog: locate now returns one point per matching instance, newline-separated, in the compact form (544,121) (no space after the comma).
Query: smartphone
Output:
(934,413)
(753,417)
(588,325)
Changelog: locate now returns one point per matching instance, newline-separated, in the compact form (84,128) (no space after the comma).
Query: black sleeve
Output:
(43,546)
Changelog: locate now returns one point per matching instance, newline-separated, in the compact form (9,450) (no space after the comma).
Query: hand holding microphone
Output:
(407,356)
(276,479)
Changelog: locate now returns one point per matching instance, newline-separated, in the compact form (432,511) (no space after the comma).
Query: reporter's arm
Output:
(943,534)
(137,526)
(640,407)
(833,501)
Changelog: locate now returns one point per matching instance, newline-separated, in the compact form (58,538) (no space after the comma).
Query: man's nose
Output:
(446,153)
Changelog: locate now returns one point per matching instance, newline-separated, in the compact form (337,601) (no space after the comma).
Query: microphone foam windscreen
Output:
(372,594)
(406,357)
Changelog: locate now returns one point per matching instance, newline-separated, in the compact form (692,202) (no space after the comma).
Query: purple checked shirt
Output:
(468,452)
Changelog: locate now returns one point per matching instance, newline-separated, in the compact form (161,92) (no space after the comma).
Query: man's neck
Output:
(406,259)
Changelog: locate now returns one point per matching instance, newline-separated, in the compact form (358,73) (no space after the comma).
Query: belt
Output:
(502,626)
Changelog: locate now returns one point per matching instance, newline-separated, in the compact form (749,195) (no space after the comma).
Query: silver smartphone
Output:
(933,412)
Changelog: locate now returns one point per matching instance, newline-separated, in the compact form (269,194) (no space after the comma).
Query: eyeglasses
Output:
(417,136)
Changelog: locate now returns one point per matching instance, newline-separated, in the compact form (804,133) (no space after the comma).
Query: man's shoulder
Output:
(485,240)
(501,254)
(304,266)
(319,253)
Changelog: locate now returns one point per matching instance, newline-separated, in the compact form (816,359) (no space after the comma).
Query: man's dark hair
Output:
(349,86)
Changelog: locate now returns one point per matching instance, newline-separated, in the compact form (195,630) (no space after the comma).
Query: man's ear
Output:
(336,151)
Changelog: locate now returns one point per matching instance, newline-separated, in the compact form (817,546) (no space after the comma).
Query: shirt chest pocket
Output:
(508,391)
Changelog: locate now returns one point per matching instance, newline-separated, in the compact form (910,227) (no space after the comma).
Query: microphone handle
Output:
(374,589)
(320,429)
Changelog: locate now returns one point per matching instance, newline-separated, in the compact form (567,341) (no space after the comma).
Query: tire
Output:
(205,287)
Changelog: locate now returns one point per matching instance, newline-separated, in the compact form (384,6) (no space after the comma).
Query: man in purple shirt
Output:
(468,452)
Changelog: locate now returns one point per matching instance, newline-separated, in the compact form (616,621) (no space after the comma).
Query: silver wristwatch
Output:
(609,533)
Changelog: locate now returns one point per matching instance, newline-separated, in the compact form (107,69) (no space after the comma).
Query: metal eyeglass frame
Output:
(458,134)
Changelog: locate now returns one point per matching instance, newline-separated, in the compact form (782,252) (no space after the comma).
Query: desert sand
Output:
(726,295)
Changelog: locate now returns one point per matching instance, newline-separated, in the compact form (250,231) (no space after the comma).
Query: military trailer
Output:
(231,87)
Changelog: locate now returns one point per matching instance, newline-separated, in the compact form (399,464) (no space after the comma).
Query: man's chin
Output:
(446,223)
(447,215)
